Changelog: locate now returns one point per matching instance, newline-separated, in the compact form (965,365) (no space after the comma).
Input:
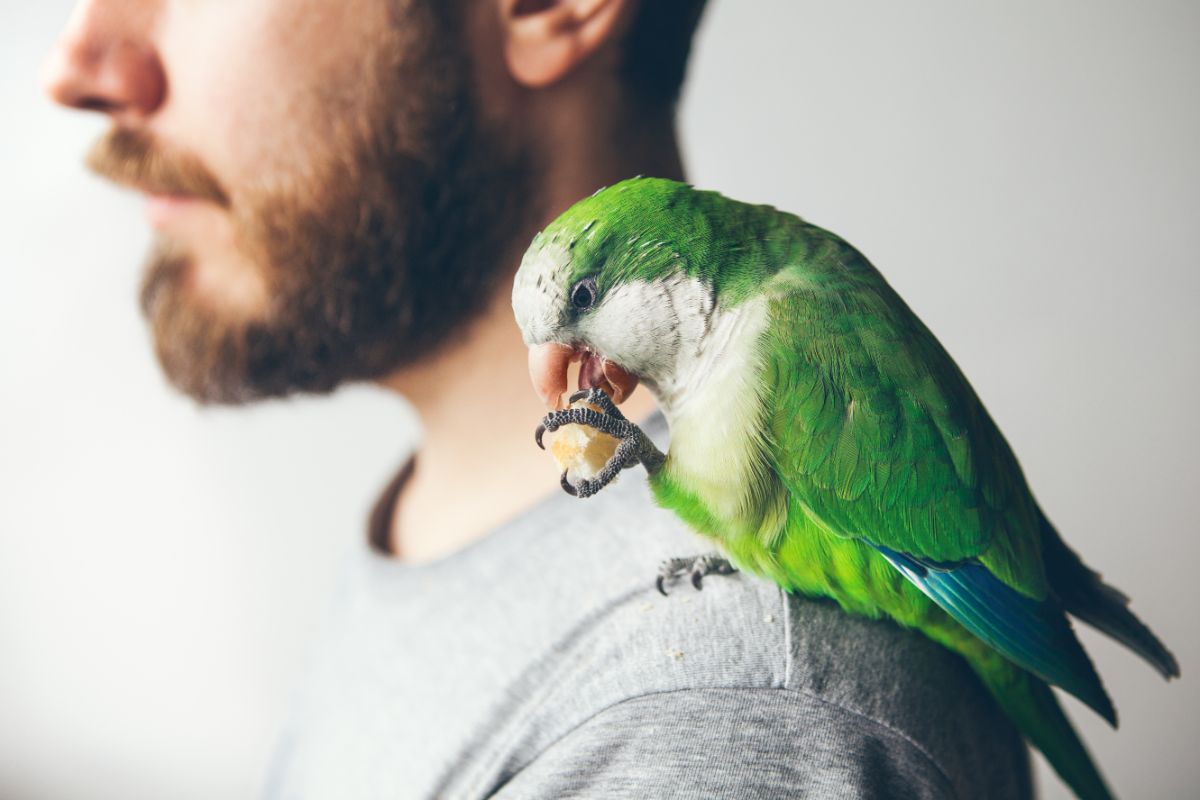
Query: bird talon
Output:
(599,398)
(582,394)
(537,436)
(694,568)
(566,485)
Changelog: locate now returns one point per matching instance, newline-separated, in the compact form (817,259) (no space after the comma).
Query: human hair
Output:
(656,50)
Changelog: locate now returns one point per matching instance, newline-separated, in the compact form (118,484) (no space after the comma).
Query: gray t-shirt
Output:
(540,662)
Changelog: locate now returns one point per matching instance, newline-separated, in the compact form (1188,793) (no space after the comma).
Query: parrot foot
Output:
(697,567)
(635,447)
(598,397)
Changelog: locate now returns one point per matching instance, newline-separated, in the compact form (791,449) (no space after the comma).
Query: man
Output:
(341,191)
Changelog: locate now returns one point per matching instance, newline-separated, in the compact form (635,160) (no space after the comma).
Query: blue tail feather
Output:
(1033,634)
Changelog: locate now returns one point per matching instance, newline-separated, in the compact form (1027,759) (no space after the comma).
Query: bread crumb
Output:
(580,450)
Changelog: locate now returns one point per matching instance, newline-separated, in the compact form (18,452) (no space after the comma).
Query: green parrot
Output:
(820,434)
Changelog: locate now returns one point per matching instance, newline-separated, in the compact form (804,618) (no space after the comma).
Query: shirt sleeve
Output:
(730,743)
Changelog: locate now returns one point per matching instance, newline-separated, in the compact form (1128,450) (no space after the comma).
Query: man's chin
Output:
(200,332)
(222,278)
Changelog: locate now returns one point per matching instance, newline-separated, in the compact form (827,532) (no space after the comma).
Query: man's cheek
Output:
(231,95)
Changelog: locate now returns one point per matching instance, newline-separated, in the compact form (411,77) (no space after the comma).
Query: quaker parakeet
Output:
(820,434)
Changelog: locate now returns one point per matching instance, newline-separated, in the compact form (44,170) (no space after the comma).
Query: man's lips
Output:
(548,364)
(162,209)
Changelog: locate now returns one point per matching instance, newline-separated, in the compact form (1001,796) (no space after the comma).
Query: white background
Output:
(1025,173)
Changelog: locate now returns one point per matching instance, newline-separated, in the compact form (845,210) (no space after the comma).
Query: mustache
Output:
(132,158)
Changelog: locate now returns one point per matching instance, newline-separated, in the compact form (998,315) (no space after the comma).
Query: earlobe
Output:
(546,39)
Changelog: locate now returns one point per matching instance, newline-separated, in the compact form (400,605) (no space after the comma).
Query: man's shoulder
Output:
(743,633)
(742,660)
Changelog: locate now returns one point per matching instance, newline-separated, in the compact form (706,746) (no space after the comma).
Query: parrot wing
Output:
(878,435)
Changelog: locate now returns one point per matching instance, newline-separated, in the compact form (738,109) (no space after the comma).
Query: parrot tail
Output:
(1085,596)
(1031,704)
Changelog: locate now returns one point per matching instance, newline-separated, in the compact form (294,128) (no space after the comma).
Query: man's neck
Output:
(477,465)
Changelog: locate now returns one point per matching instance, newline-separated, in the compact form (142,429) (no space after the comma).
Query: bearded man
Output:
(341,191)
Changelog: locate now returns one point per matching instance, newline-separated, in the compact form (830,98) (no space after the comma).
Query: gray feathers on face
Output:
(656,329)
(540,300)
(652,328)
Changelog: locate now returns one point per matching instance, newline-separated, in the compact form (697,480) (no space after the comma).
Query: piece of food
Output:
(580,450)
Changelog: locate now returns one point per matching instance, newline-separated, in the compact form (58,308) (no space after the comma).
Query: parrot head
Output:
(609,284)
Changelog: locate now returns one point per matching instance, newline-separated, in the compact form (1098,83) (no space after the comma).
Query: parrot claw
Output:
(696,568)
(598,397)
(635,447)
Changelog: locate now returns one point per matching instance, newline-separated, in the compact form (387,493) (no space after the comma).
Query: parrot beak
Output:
(548,364)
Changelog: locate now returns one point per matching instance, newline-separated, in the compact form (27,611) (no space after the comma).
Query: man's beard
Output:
(379,265)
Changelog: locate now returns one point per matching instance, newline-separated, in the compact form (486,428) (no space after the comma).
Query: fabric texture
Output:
(540,662)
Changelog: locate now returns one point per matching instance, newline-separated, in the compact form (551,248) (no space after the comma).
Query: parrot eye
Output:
(583,294)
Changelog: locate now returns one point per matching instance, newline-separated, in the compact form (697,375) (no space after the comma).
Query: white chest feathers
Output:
(716,411)
(702,361)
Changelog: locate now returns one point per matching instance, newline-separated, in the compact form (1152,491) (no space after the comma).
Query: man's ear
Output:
(546,39)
